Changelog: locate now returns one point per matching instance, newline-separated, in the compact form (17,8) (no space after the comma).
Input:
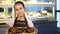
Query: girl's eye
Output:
(16,9)
(20,8)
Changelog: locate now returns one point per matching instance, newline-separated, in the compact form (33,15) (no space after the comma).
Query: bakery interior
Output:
(43,13)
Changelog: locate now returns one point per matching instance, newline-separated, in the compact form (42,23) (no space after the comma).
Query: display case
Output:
(6,11)
(46,10)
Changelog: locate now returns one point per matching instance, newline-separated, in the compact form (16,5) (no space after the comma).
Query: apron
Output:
(21,24)
(20,27)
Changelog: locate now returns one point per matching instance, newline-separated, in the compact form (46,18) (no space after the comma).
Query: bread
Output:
(15,30)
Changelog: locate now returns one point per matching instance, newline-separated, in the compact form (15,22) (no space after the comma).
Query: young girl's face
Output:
(19,9)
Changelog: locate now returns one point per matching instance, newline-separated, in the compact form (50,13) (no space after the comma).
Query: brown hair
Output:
(19,2)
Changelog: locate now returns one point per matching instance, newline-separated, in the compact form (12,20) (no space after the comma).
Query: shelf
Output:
(30,4)
(6,5)
(5,20)
(40,4)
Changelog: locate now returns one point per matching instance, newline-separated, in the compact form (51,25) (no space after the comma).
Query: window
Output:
(9,10)
(1,9)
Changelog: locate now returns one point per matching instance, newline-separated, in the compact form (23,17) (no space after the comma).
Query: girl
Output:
(21,21)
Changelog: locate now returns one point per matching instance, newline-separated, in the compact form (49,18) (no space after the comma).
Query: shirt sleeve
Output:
(11,23)
(30,23)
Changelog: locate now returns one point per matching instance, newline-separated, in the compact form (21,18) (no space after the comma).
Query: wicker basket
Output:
(35,32)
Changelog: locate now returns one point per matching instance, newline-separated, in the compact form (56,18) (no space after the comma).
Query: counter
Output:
(46,26)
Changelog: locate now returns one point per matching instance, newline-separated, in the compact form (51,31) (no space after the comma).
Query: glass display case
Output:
(6,10)
(6,14)
(40,10)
